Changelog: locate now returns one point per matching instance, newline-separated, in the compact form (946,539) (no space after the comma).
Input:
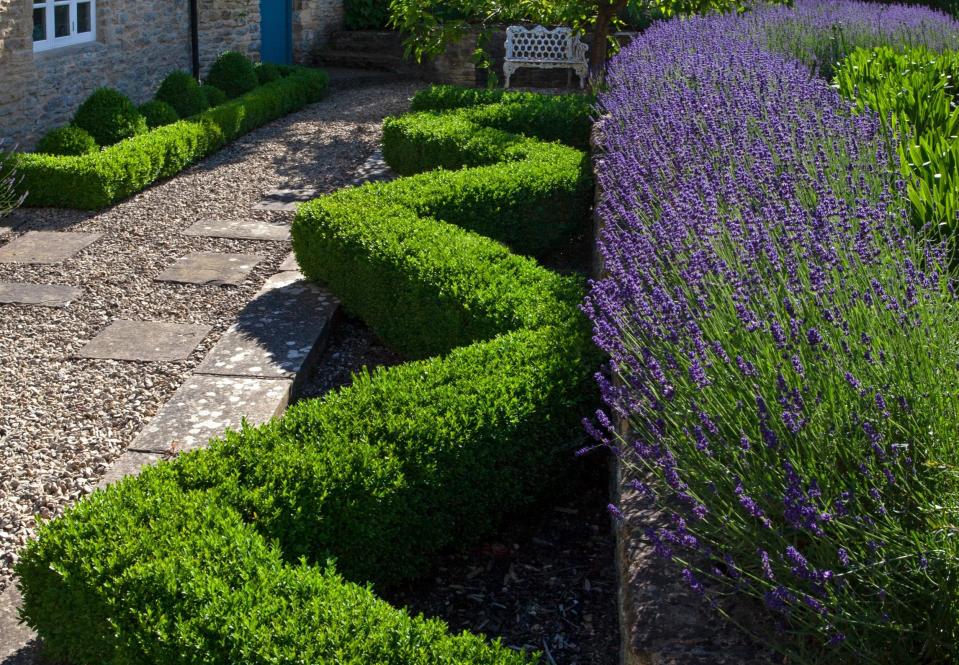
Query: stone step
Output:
(278,334)
(360,59)
(382,41)
(206,406)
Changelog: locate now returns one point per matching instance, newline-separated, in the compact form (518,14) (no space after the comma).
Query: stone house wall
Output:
(313,23)
(227,25)
(138,42)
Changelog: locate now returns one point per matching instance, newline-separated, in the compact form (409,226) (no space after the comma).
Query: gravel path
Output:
(63,419)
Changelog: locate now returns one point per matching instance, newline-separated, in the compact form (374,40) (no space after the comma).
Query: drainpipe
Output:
(195,39)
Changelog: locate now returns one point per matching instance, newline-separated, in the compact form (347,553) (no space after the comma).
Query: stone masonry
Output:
(137,44)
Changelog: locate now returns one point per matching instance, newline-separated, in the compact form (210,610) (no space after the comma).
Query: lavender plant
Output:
(782,346)
(9,196)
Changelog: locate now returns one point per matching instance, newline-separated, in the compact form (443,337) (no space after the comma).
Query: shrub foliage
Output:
(183,93)
(67,141)
(98,180)
(233,73)
(226,554)
(158,113)
(109,116)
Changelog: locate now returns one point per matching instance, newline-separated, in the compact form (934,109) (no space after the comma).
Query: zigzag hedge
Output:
(225,555)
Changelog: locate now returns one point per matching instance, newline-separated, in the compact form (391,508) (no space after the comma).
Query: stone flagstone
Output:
(245,229)
(155,341)
(276,333)
(205,406)
(48,295)
(45,246)
(289,263)
(210,268)
(374,169)
(285,199)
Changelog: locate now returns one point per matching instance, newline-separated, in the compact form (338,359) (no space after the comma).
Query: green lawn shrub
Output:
(366,14)
(252,550)
(267,72)
(233,73)
(214,96)
(101,179)
(158,113)
(67,141)
(181,91)
(110,117)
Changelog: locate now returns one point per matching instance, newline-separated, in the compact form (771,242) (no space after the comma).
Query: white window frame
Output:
(74,37)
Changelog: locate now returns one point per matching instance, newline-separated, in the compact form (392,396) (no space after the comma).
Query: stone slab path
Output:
(70,423)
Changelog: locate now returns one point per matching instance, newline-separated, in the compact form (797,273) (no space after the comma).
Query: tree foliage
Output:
(429,25)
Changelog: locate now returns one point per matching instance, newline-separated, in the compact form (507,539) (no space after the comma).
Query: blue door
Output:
(276,31)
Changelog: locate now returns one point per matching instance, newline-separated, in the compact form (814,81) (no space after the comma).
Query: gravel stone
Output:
(64,419)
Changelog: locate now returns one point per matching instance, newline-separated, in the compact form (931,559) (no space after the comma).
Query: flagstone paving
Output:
(48,295)
(285,199)
(45,247)
(210,268)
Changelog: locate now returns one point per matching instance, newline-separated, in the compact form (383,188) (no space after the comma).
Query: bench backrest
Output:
(539,44)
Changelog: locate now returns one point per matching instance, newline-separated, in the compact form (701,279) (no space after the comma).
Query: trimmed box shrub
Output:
(109,116)
(214,96)
(233,73)
(225,554)
(68,141)
(158,113)
(98,180)
(183,93)
(266,72)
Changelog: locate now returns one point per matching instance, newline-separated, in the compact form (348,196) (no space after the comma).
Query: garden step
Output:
(277,334)
(206,406)
(45,246)
(366,60)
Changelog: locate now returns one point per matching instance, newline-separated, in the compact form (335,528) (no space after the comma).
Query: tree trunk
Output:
(605,13)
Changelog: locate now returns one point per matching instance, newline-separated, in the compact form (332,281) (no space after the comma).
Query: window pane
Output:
(39,24)
(61,21)
(83,17)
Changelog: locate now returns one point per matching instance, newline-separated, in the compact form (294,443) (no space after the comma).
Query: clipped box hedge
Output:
(253,550)
(100,179)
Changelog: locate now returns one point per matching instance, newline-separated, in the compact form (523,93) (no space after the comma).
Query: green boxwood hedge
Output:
(235,553)
(101,179)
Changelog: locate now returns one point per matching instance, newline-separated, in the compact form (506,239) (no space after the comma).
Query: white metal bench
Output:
(545,49)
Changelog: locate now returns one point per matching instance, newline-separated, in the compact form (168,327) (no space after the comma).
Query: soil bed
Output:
(546,582)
